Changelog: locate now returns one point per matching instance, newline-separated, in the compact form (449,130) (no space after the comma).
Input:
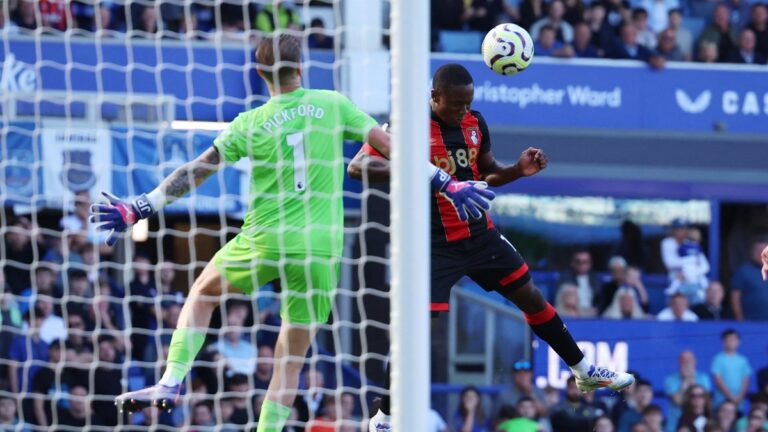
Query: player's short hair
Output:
(729,332)
(285,64)
(451,75)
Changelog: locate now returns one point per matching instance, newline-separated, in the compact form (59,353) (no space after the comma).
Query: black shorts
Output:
(489,259)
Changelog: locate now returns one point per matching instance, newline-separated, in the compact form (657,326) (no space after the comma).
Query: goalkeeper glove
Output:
(118,215)
(466,196)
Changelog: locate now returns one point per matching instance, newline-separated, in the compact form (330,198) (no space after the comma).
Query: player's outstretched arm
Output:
(117,215)
(373,168)
(531,161)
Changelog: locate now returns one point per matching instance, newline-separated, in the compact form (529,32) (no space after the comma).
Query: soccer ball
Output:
(507,49)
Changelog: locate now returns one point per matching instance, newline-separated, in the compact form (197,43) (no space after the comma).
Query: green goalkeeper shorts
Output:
(307,282)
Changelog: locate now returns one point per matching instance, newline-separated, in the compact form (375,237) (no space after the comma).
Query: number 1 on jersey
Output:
(296,141)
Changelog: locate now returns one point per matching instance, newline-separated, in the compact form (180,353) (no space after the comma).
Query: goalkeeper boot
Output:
(380,423)
(160,396)
(600,377)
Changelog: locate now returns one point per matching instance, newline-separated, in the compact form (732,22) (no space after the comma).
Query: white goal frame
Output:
(410,216)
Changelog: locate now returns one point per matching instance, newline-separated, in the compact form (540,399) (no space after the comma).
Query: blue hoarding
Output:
(612,94)
(650,348)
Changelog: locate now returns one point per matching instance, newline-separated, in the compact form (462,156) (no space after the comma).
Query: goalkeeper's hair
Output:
(285,64)
(450,75)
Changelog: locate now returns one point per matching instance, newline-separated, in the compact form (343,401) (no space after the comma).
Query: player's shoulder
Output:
(478,116)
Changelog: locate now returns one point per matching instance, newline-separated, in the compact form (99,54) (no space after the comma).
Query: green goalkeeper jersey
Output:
(294,143)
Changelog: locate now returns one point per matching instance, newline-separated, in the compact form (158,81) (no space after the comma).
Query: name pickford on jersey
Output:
(288,114)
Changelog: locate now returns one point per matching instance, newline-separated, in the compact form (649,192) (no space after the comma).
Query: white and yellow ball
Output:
(507,49)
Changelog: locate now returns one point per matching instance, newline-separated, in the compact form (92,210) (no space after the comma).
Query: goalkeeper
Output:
(293,230)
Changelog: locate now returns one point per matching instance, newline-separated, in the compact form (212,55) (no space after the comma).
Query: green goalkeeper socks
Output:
(273,417)
(185,344)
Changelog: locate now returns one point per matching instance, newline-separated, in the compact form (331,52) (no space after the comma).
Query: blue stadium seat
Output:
(460,41)
(695,25)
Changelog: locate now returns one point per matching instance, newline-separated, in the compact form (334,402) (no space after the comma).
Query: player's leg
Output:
(308,285)
(447,266)
(497,266)
(186,342)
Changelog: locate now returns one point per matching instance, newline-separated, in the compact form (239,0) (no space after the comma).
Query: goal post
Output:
(410,216)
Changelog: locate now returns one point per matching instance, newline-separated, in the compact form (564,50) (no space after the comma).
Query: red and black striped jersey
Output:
(455,149)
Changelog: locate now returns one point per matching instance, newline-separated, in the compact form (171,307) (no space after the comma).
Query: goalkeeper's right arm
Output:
(118,215)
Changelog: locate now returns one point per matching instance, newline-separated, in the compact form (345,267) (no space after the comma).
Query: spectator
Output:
(483,14)
(574,413)
(24,350)
(522,386)
(530,12)
(582,275)
(44,384)
(79,296)
(653,417)
(519,418)
(546,45)
(746,54)
(238,386)
(142,293)
(720,32)
(726,416)
(318,37)
(239,354)
(645,36)
(731,371)
(54,14)
(7,26)
(582,42)
(625,305)
(53,326)
(574,12)
(749,292)
(45,278)
(670,247)
(677,310)
(107,381)
(202,417)
(712,308)
(436,422)
(309,402)
(618,12)
(470,416)
(677,384)
(78,344)
(640,399)
(264,366)
(554,19)
(629,48)
(78,410)
(668,48)
(617,267)
(762,382)
(26,15)
(603,35)
(691,280)
(759,25)
(604,424)
(166,284)
(107,311)
(567,302)
(276,16)
(9,421)
(658,13)
(20,250)
(683,36)
(148,25)
(696,409)
(708,52)
(76,223)
(756,420)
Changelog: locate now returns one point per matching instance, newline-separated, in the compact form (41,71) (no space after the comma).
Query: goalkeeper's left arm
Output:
(117,215)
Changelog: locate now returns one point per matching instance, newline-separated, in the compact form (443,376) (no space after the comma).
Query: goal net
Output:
(113,96)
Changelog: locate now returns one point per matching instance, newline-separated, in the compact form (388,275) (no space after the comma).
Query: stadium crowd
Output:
(650,30)
(73,335)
